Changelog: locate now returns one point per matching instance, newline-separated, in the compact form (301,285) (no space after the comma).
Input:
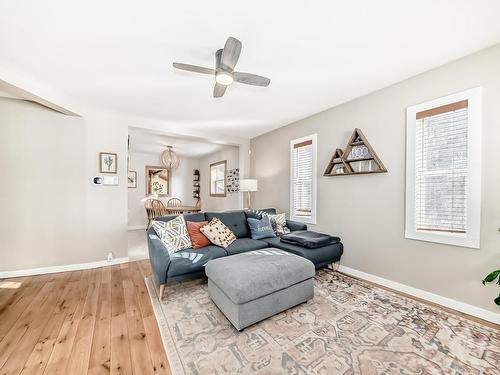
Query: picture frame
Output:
(108,162)
(132,179)
(157,181)
(218,175)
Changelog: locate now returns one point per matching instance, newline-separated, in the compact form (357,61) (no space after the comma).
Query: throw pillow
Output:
(173,234)
(260,228)
(198,239)
(278,222)
(218,233)
(254,214)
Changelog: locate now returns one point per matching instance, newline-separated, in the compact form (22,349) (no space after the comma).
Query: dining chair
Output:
(174,202)
(154,208)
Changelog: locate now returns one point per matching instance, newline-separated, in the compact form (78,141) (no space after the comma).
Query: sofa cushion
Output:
(260,228)
(257,214)
(242,245)
(278,222)
(173,234)
(319,256)
(198,239)
(218,233)
(234,220)
(199,216)
(192,260)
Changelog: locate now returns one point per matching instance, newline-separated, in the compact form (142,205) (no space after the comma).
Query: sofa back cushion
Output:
(199,216)
(236,221)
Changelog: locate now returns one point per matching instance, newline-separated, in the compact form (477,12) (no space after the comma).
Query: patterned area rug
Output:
(350,327)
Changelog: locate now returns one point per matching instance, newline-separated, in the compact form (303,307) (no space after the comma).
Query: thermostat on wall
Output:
(105,180)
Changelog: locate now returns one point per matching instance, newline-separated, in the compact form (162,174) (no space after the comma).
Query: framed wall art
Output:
(108,162)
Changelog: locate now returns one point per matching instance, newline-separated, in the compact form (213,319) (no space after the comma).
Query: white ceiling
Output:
(117,54)
(154,143)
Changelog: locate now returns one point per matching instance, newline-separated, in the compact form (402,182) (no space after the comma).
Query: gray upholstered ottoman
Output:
(255,285)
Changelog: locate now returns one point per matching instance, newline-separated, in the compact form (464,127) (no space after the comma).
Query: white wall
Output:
(367,211)
(181,185)
(50,212)
(230,201)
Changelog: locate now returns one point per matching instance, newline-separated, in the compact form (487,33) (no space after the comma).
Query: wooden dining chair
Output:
(154,208)
(174,202)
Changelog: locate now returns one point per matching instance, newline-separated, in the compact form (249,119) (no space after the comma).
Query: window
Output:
(443,170)
(303,179)
(218,179)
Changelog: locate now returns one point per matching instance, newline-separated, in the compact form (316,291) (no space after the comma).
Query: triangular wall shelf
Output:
(357,158)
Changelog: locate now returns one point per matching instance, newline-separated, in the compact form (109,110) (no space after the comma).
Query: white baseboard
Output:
(431,297)
(63,268)
(137,227)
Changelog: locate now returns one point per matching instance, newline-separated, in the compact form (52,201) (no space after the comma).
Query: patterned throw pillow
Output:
(218,233)
(173,234)
(255,214)
(278,223)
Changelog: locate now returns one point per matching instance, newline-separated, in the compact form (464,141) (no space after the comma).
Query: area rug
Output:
(350,327)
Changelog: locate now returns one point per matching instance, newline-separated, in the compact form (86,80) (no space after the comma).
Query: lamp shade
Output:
(248,184)
(169,159)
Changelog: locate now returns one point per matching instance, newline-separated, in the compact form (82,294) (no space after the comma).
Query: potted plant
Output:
(495,275)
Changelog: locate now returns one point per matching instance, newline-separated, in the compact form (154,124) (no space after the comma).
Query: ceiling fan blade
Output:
(193,68)
(219,90)
(251,79)
(231,52)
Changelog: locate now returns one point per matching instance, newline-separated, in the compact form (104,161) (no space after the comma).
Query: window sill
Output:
(303,220)
(443,238)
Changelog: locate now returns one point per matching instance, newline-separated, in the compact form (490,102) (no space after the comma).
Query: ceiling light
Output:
(224,78)
(169,159)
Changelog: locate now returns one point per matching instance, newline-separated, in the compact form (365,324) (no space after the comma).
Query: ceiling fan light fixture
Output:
(224,78)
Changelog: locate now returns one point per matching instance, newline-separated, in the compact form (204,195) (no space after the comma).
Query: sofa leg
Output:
(162,291)
(334,266)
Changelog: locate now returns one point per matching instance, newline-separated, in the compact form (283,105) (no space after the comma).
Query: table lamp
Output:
(248,185)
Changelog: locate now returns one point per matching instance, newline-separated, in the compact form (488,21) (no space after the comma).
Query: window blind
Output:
(302,179)
(441,170)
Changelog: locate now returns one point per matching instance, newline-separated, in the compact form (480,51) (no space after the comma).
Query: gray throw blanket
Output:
(309,239)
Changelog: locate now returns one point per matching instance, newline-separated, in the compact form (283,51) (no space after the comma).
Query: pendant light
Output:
(169,159)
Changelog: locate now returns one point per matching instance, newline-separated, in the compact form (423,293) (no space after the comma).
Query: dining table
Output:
(182,209)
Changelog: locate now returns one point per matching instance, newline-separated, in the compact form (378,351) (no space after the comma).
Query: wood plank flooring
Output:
(97,321)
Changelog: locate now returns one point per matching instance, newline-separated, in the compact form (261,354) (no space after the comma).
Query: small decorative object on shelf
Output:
(196,184)
(357,158)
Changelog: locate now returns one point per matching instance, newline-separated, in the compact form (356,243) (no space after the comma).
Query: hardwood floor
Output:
(97,321)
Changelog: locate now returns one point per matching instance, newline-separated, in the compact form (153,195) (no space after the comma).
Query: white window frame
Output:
(472,237)
(314,139)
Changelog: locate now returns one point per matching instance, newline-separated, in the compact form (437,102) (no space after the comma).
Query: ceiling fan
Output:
(225,61)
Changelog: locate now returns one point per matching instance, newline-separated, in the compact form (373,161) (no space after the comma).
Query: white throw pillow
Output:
(173,234)
(218,233)
(278,222)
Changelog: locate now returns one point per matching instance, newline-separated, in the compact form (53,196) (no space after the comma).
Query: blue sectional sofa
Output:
(190,263)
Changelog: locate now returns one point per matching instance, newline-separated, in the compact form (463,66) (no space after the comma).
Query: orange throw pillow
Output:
(198,239)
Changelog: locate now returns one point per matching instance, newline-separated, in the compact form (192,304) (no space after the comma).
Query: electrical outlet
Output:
(110,256)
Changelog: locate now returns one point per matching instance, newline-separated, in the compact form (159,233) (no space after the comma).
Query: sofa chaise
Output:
(190,263)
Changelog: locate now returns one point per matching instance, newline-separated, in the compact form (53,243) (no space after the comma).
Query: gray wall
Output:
(367,211)
(230,201)
(50,212)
